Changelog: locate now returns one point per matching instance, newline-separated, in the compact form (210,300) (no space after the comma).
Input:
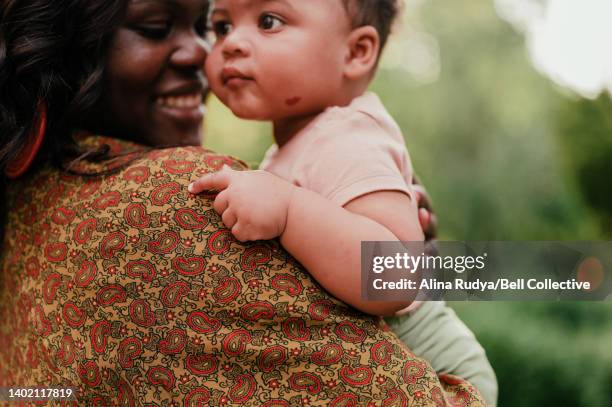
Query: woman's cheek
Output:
(212,69)
(133,59)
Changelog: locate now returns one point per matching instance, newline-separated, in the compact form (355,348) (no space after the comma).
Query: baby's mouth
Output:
(233,77)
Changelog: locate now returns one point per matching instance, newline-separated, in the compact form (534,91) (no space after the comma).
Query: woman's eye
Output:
(200,26)
(221,28)
(270,22)
(154,31)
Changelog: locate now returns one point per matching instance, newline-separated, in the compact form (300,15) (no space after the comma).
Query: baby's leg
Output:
(435,333)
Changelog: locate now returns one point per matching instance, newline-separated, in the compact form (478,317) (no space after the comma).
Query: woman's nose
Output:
(191,51)
(236,44)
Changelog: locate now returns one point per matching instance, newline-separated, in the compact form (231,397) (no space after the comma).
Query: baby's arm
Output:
(324,237)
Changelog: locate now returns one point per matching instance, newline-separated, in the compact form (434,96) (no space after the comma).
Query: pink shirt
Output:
(346,152)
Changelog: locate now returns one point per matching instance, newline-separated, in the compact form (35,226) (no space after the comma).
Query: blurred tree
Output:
(482,135)
(585,128)
(546,354)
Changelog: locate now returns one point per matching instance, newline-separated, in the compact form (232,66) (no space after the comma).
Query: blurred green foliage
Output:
(585,131)
(505,155)
(546,354)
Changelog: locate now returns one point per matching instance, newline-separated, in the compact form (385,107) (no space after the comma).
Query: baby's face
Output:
(275,59)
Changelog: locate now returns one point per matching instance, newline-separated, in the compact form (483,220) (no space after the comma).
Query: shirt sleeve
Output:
(353,156)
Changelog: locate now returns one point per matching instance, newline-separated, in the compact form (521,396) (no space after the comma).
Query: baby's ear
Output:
(364,44)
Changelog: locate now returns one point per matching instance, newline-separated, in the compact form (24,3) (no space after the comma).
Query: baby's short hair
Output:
(378,13)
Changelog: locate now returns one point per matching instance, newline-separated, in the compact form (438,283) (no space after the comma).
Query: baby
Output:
(339,173)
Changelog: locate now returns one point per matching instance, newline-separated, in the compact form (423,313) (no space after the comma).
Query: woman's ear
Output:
(363,43)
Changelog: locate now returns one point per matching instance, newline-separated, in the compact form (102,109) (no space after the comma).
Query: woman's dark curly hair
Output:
(52,51)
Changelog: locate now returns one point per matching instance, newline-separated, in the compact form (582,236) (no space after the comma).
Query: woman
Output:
(116,280)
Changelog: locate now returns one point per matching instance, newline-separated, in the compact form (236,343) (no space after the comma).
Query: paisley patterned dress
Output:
(128,288)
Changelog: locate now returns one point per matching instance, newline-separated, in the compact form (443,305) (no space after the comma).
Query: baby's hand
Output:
(253,204)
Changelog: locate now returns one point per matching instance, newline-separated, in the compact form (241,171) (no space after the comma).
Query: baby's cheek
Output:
(293,101)
(212,68)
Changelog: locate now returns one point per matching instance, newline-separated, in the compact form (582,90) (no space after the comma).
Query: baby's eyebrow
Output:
(250,4)
(218,10)
(283,2)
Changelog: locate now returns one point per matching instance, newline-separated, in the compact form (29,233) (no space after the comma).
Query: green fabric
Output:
(435,333)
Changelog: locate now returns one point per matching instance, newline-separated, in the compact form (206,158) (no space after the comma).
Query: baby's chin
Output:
(246,113)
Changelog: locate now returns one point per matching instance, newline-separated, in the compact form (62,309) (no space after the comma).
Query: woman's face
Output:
(155,81)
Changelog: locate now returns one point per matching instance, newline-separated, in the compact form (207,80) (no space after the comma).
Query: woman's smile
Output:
(157,85)
(186,109)
(180,102)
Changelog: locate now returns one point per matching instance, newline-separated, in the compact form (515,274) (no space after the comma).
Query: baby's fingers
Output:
(428,223)
(221,202)
(239,232)
(229,218)
(217,180)
(424,218)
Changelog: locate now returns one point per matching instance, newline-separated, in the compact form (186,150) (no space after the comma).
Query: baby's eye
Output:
(270,22)
(221,28)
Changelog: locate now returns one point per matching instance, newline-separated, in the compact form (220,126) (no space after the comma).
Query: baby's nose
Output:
(236,43)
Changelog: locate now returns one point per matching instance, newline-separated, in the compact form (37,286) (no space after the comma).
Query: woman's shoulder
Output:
(130,177)
(139,178)
(180,164)
(123,156)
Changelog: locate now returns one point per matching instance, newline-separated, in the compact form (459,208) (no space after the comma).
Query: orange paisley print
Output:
(130,289)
